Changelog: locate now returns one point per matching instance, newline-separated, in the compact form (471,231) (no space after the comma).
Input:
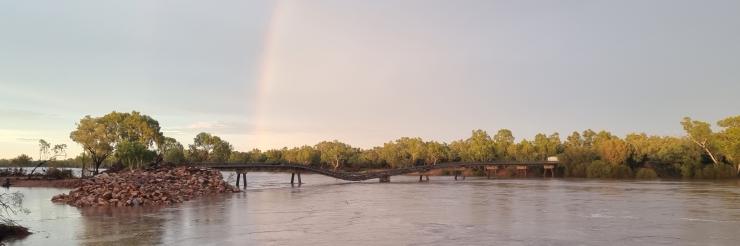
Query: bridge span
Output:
(383,175)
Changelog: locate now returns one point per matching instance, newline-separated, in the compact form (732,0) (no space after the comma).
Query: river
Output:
(476,211)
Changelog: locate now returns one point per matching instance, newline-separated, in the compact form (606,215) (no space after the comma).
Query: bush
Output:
(718,172)
(646,173)
(575,170)
(700,171)
(12,172)
(55,173)
(599,169)
(621,172)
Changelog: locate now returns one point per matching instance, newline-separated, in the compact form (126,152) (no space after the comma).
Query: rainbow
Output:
(265,72)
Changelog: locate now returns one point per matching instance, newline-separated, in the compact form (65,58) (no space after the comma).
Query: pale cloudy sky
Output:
(274,73)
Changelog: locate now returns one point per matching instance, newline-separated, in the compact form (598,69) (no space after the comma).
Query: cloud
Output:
(215,127)
(28,139)
(204,125)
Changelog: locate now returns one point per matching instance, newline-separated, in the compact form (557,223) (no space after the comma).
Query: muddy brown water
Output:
(476,211)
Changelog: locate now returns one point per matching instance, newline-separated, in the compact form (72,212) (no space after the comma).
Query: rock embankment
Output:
(158,187)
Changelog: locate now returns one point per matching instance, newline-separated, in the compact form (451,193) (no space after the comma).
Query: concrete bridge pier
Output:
(292,179)
(523,168)
(550,168)
(460,172)
(239,174)
(385,178)
(489,170)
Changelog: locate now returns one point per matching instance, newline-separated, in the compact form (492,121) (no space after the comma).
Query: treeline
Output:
(133,139)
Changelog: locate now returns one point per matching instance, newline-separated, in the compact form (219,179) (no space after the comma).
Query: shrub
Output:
(646,173)
(575,170)
(718,172)
(55,173)
(599,169)
(621,172)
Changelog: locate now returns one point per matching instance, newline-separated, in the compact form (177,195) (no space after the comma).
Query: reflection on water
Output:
(442,212)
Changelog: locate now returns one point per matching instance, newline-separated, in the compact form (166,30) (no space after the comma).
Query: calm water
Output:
(443,212)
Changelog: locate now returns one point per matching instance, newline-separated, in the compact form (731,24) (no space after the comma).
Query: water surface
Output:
(325,211)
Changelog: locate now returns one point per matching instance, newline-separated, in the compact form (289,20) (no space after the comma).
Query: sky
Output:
(266,74)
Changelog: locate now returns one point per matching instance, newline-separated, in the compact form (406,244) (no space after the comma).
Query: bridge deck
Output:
(360,176)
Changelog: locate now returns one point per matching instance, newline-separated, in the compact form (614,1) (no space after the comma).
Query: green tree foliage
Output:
(436,152)
(96,137)
(209,148)
(728,140)
(701,134)
(256,155)
(546,146)
(133,154)
(526,151)
(479,147)
(100,136)
(21,160)
(614,151)
(173,151)
(646,173)
(335,153)
(502,142)
(132,138)
(305,155)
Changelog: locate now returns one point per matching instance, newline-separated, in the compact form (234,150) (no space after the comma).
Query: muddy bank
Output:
(51,183)
(158,187)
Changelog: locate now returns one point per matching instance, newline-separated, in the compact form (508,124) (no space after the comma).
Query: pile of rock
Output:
(158,187)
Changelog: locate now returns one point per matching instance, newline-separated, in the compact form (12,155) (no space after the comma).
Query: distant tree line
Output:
(133,139)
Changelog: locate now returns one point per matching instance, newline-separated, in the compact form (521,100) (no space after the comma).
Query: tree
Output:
(335,153)
(133,154)
(588,137)
(613,151)
(256,155)
(10,205)
(307,155)
(207,147)
(96,138)
(21,160)
(44,148)
(436,152)
(239,157)
(392,154)
(502,141)
(100,136)
(574,140)
(639,145)
(411,150)
(546,146)
(701,134)
(46,152)
(480,147)
(371,157)
(729,140)
(526,151)
(274,156)
(173,151)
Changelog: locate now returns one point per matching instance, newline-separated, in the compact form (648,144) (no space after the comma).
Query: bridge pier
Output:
(385,179)
(551,168)
(489,170)
(460,172)
(292,179)
(239,174)
(524,168)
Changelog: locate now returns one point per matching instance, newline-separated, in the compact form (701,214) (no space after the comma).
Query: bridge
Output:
(383,175)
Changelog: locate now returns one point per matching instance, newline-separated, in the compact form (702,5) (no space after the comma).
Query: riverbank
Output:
(163,186)
(50,183)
